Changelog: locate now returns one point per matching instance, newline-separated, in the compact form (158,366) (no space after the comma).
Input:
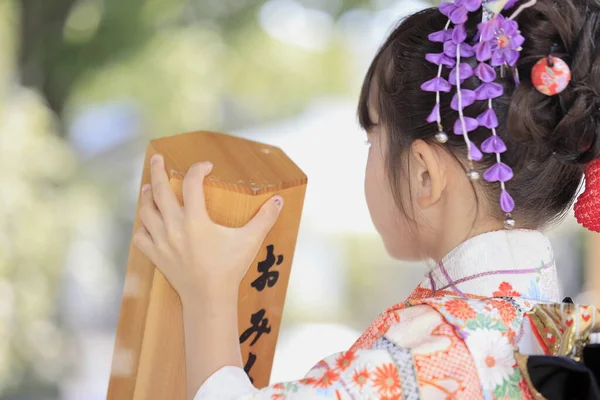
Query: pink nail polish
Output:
(145,187)
(278,202)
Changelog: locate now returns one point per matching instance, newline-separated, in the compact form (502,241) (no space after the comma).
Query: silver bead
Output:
(441,137)
(509,223)
(473,175)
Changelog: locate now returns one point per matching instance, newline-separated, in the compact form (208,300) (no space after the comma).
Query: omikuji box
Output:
(149,355)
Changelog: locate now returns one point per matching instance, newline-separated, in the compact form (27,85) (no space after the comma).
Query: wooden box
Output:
(149,359)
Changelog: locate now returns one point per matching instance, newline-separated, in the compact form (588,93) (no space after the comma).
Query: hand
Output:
(198,257)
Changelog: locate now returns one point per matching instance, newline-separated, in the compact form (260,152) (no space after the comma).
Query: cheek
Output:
(375,185)
(391,224)
(383,209)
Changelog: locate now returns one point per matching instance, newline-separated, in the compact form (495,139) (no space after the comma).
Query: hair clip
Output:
(551,75)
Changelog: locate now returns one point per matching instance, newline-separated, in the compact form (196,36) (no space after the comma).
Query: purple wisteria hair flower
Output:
(500,41)
(438,84)
(470,124)
(498,172)
(497,44)
(485,72)
(489,90)
(466,71)
(488,119)
(440,36)
(440,59)
(465,49)
(493,144)
(465,97)
(458,11)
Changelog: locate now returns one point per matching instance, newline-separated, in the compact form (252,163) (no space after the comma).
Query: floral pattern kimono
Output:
(465,332)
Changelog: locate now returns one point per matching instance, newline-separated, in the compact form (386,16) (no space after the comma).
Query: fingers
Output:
(165,199)
(150,217)
(266,217)
(143,241)
(193,191)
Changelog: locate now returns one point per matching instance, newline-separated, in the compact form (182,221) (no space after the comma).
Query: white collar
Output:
(510,263)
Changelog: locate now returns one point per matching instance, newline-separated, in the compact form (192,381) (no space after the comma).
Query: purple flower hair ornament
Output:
(499,40)
(439,84)
(465,49)
(498,43)
(493,144)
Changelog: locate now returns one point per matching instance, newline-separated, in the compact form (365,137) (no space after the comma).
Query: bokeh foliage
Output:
(187,64)
(165,52)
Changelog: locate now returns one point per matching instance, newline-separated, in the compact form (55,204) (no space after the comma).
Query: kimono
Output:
(481,325)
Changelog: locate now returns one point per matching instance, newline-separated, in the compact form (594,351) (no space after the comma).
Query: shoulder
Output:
(459,346)
(408,322)
(458,322)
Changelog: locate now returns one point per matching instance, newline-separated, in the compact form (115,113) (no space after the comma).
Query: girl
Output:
(481,117)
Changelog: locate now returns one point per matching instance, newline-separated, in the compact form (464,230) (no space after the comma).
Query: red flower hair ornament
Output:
(587,207)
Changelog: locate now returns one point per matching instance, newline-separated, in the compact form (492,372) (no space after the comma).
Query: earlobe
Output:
(431,173)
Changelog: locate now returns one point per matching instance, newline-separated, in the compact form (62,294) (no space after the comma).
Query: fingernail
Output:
(278,200)
(145,187)
(155,158)
(210,165)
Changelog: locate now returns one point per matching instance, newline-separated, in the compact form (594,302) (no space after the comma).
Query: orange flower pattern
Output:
(459,309)
(386,380)
(360,377)
(505,289)
(506,310)
(345,359)
(328,379)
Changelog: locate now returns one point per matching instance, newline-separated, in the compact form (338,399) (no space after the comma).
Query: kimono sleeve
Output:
(372,373)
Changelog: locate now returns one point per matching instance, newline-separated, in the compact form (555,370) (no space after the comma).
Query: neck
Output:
(456,228)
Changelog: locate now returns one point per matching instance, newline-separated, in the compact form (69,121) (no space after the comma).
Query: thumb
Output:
(266,217)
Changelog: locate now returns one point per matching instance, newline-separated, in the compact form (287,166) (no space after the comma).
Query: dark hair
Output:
(549,139)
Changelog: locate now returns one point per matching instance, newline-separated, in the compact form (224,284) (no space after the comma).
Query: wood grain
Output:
(148,360)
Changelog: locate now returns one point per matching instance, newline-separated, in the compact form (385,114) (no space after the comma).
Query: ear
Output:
(430,173)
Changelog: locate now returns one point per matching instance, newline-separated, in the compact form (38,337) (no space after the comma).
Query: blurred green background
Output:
(84,84)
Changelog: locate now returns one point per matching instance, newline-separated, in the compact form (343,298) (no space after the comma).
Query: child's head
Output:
(420,198)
